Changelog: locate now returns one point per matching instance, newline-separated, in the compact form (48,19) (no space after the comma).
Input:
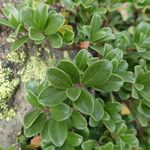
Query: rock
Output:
(10,129)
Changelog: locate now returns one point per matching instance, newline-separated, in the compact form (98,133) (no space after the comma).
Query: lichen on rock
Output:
(9,68)
(7,87)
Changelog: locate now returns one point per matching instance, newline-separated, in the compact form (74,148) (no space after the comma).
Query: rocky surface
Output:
(10,129)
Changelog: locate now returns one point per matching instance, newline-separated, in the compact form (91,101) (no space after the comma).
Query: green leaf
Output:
(115,53)
(73,93)
(70,69)
(61,112)
(35,34)
(58,132)
(18,43)
(74,139)
(12,147)
(98,36)
(55,40)
(36,127)
(78,121)
(5,22)
(113,107)
(41,16)
(1,148)
(142,119)
(108,146)
(144,109)
(45,132)
(110,124)
(30,117)
(55,22)
(85,102)
(93,123)
(88,145)
(127,76)
(114,83)
(129,139)
(58,78)
(27,14)
(121,128)
(106,116)
(51,96)
(49,148)
(67,146)
(97,73)
(68,36)
(12,14)
(145,80)
(81,59)
(87,3)
(95,26)
(33,99)
(98,111)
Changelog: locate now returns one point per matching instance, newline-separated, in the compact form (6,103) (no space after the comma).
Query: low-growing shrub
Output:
(80,105)
(101,99)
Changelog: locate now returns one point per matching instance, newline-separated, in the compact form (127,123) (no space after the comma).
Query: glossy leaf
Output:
(51,96)
(74,139)
(78,121)
(61,112)
(85,102)
(55,22)
(89,145)
(58,132)
(55,40)
(30,117)
(81,59)
(35,34)
(58,78)
(97,73)
(70,69)
(36,127)
(98,111)
(73,93)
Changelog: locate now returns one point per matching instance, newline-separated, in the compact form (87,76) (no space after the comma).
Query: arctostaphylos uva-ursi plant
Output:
(38,23)
(80,104)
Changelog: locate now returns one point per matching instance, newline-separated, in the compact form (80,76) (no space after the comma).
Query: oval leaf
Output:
(97,73)
(51,96)
(55,21)
(35,34)
(70,69)
(30,117)
(55,40)
(81,59)
(98,112)
(73,93)
(114,83)
(61,112)
(58,132)
(85,103)
(74,139)
(36,127)
(89,145)
(78,121)
(59,78)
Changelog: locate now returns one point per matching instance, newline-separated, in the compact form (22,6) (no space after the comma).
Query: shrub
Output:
(80,105)
(101,99)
